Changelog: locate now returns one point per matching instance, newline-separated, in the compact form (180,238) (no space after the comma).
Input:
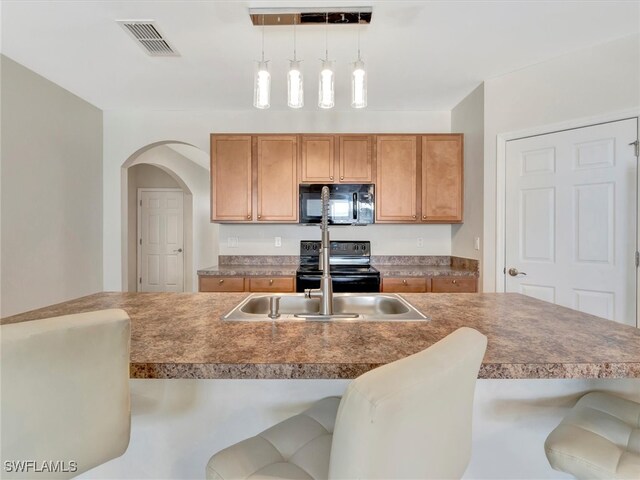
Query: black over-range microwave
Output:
(349,204)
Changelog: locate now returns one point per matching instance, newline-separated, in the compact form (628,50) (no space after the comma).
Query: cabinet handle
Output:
(331,177)
(221,281)
(455,282)
(404,282)
(259,216)
(424,217)
(249,217)
(271,281)
(341,178)
(414,216)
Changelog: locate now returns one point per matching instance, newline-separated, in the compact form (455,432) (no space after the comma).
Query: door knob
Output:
(514,272)
(178,251)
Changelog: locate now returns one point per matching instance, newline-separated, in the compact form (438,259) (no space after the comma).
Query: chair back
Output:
(411,418)
(65,393)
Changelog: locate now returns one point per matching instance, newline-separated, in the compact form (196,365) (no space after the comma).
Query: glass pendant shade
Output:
(358,85)
(295,85)
(262,86)
(325,90)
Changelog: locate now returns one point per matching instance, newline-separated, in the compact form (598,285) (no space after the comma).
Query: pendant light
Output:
(325,89)
(358,79)
(262,81)
(295,91)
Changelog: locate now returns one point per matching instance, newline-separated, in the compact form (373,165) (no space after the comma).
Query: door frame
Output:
(139,230)
(501,186)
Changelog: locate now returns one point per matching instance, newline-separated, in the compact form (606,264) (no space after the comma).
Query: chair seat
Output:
(599,438)
(297,448)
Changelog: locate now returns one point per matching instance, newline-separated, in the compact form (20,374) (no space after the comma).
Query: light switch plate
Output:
(476,243)
(232,242)
(420,242)
(277,241)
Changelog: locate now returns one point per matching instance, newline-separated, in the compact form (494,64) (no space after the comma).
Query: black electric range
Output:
(350,267)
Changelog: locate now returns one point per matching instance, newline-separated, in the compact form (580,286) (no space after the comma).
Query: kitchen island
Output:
(200,384)
(181,335)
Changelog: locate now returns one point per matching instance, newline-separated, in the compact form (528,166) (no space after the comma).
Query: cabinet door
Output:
(277,178)
(405,284)
(317,159)
(355,159)
(454,284)
(442,185)
(397,178)
(231,178)
(271,284)
(220,284)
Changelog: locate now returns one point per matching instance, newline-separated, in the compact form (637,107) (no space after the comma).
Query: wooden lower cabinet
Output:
(209,283)
(406,284)
(220,284)
(454,284)
(427,284)
(271,284)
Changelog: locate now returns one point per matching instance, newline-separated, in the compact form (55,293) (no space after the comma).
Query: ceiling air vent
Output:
(148,36)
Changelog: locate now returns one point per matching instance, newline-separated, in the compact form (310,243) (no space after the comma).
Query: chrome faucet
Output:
(325,292)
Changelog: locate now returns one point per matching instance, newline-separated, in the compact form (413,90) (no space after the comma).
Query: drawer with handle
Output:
(271,284)
(405,284)
(454,284)
(221,284)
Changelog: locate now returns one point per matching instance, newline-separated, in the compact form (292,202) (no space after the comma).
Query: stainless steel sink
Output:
(382,307)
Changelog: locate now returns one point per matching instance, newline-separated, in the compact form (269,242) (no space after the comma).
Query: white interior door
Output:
(161,249)
(571,219)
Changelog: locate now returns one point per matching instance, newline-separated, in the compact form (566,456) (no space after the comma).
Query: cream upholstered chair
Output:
(65,393)
(599,438)
(408,419)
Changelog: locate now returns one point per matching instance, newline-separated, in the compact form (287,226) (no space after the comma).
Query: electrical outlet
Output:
(232,242)
(420,242)
(278,241)
(476,243)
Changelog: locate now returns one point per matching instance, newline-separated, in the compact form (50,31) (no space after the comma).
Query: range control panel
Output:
(339,248)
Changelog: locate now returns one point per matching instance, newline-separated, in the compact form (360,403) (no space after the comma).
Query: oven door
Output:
(341,284)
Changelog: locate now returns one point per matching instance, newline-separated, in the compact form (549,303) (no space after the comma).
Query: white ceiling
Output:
(421,55)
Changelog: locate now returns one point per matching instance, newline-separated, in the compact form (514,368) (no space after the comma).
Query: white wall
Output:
(468,118)
(591,82)
(126,132)
(385,239)
(51,192)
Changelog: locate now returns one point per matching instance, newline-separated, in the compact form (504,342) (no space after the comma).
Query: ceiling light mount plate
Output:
(310,16)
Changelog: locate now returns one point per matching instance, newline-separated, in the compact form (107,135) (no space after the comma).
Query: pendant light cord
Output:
(359,27)
(326,36)
(263,38)
(295,21)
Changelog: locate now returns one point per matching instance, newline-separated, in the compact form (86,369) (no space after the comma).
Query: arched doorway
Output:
(174,166)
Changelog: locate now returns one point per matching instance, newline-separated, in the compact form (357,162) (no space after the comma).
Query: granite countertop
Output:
(385,270)
(181,335)
(425,271)
(250,270)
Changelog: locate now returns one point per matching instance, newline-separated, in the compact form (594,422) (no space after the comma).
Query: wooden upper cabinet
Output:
(396,178)
(355,162)
(231,197)
(317,160)
(277,178)
(442,178)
